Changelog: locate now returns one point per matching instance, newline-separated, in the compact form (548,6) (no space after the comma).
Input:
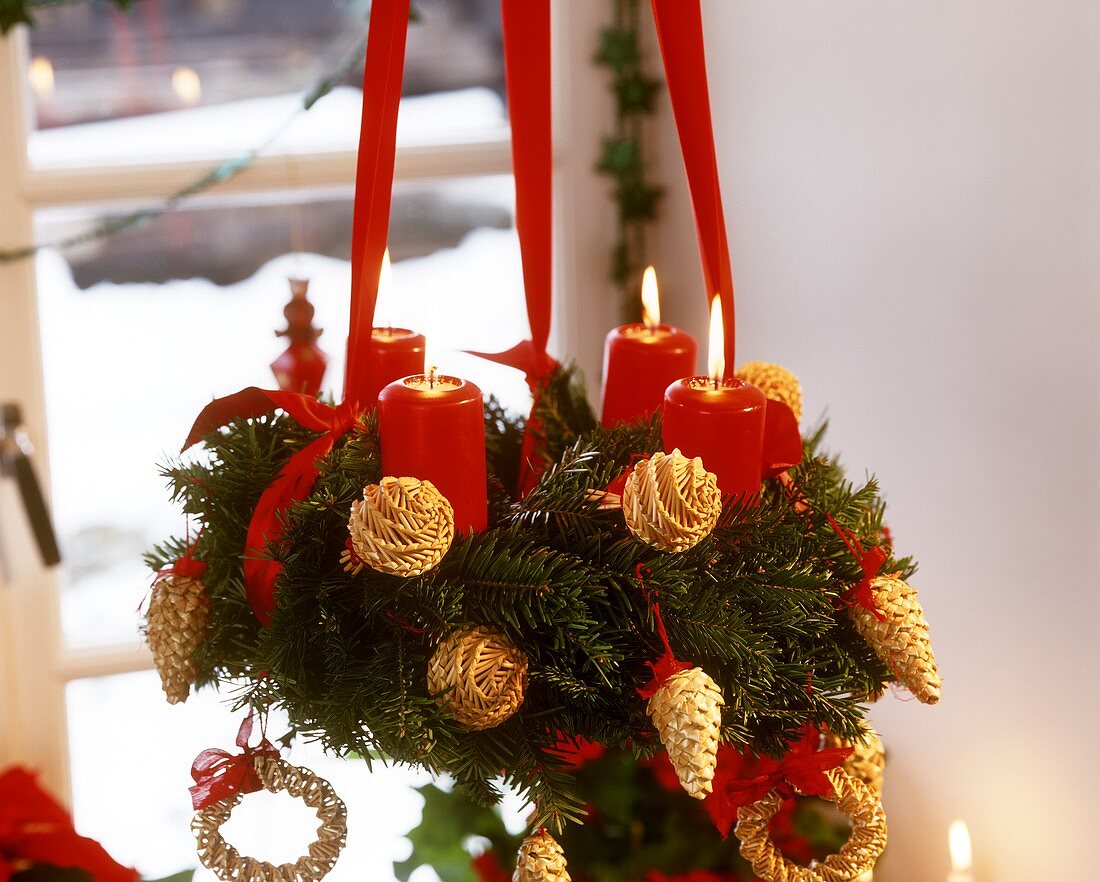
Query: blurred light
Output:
(40,74)
(958,839)
(187,85)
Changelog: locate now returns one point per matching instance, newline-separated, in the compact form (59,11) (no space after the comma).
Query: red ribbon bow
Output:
(667,665)
(219,774)
(871,562)
(802,771)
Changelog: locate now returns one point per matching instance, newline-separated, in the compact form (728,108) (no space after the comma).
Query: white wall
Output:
(913,196)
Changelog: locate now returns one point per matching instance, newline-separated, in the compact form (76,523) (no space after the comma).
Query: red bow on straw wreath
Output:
(219,774)
(801,771)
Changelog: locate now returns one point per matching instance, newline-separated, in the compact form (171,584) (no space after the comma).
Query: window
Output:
(113,345)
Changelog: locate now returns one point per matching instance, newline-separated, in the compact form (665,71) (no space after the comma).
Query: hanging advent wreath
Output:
(424,577)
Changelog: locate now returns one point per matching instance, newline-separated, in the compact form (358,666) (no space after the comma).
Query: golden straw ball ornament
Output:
(478,676)
(402,526)
(687,713)
(867,761)
(540,859)
(856,857)
(671,502)
(902,640)
(229,865)
(775,381)
(176,625)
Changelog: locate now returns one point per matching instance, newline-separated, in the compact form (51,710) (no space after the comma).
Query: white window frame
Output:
(35,665)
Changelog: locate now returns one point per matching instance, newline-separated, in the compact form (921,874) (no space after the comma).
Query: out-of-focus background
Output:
(912,191)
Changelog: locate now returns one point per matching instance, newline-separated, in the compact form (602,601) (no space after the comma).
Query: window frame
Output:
(35,663)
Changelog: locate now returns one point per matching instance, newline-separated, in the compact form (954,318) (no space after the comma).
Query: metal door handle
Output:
(15,462)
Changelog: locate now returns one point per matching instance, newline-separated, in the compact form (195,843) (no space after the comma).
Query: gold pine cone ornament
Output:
(478,676)
(403,526)
(776,382)
(540,859)
(868,759)
(902,641)
(687,713)
(176,625)
(671,502)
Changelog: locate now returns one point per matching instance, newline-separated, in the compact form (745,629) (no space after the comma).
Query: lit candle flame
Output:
(385,286)
(958,839)
(651,303)
(716,360)
(187,85)
(40,74)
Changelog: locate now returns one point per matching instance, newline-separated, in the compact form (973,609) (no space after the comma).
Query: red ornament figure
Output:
(301,368)
(720,420)
(433,427)
(641,359)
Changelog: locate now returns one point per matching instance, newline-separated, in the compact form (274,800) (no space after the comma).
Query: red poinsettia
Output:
(36,829)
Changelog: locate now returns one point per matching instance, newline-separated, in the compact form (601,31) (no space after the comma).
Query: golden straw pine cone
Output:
(540,859)
(478,676)
(176,625)
(856,857)
(868,759)
(671,502)
(687,713)
(402,526)
(902,642)
(776,382)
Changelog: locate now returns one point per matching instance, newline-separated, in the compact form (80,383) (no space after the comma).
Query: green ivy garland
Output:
(623,156)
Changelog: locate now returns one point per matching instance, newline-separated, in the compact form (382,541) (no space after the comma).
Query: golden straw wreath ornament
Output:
(671,502)
(221,781)
(808,771)
(540,859)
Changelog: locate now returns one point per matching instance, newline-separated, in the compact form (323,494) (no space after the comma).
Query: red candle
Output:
(395,353)
(433,427)
(720,420)
(641,359)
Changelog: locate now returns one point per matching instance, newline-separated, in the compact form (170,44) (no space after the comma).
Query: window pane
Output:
(140,331)
(130,778)
(194,78)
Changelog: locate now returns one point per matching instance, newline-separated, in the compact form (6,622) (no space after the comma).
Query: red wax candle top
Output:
(433,428)
(638,364)
(721,422)
(395,353)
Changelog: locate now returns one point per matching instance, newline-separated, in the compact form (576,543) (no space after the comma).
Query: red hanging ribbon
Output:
(382,76)
(680,34)
(219,774)
(802,771)
(871,562)
(667,665)
(526,27)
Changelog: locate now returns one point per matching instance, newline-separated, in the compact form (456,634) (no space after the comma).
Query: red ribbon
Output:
(802,771)
(871,562)
(526,28)
(219,774)
(667,665)
(382,76)
(680,33)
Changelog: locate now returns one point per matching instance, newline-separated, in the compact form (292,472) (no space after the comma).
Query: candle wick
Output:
(431,376)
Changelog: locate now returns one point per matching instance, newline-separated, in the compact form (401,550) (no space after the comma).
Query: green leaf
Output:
(620,156)
(618,48)
(635,93)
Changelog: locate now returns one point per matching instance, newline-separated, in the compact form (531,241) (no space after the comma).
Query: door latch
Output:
(15,462)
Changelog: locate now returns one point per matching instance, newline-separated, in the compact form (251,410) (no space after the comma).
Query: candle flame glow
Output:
(40,74)
(716,354)
(187,85)
(651,302)
(958,839)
